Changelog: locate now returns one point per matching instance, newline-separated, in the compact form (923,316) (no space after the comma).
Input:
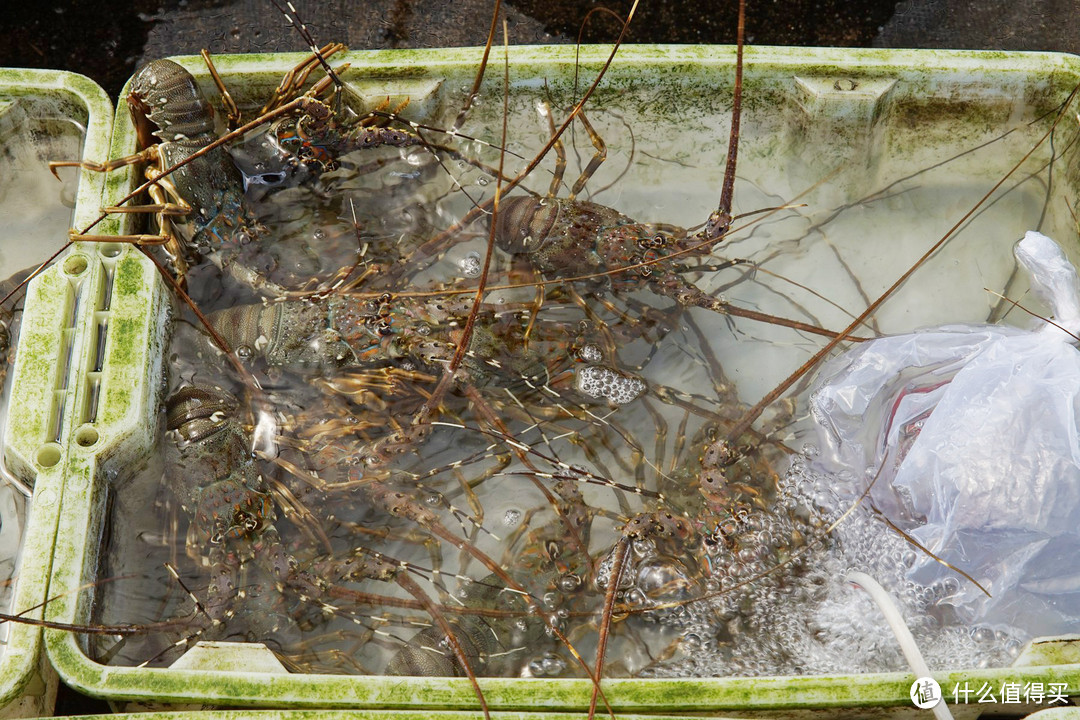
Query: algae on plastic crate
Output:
(44,115)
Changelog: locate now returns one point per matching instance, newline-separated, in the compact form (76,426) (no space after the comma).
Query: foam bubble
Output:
(471,265)
(802,617)
(617,387)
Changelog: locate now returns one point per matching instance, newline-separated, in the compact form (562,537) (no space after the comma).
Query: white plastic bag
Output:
(974,429)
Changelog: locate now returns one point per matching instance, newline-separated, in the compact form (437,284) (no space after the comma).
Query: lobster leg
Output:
(594,163)
(560,154)
(294,79)
(232,112)
(142,156)
(286,90)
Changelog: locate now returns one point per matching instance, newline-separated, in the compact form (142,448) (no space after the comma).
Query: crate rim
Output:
(24,653)
(672,695)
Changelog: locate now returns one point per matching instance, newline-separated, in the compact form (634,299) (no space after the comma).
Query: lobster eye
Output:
(216,538)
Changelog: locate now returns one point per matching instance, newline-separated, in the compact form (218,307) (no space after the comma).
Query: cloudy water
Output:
(586,426)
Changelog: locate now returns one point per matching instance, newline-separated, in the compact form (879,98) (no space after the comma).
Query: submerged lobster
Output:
(212,473)
(232,506)
(198,193)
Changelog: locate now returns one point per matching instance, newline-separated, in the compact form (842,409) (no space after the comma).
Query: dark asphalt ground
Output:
(108,40)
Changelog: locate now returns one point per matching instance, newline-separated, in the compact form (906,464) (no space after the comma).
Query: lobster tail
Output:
(165,93)
(195,413)
(523,223)
(294,333)
(426,654)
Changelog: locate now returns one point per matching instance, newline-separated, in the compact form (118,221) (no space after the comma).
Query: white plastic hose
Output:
(900,630)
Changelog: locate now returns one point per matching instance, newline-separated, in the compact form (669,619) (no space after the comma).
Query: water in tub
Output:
(35,214)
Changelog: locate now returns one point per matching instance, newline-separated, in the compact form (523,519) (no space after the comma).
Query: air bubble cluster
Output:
(471,266)
(548,665)
(616,387)
(590,353)
(804,617)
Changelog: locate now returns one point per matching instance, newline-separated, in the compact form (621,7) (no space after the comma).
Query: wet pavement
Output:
(108,40)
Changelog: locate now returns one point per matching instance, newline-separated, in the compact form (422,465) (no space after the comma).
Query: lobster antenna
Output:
(1032,313)
(308,38)
(721,220)
(431,247)
(294,20)
(480,71)
(185,641)
(605,622)
(410,586)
